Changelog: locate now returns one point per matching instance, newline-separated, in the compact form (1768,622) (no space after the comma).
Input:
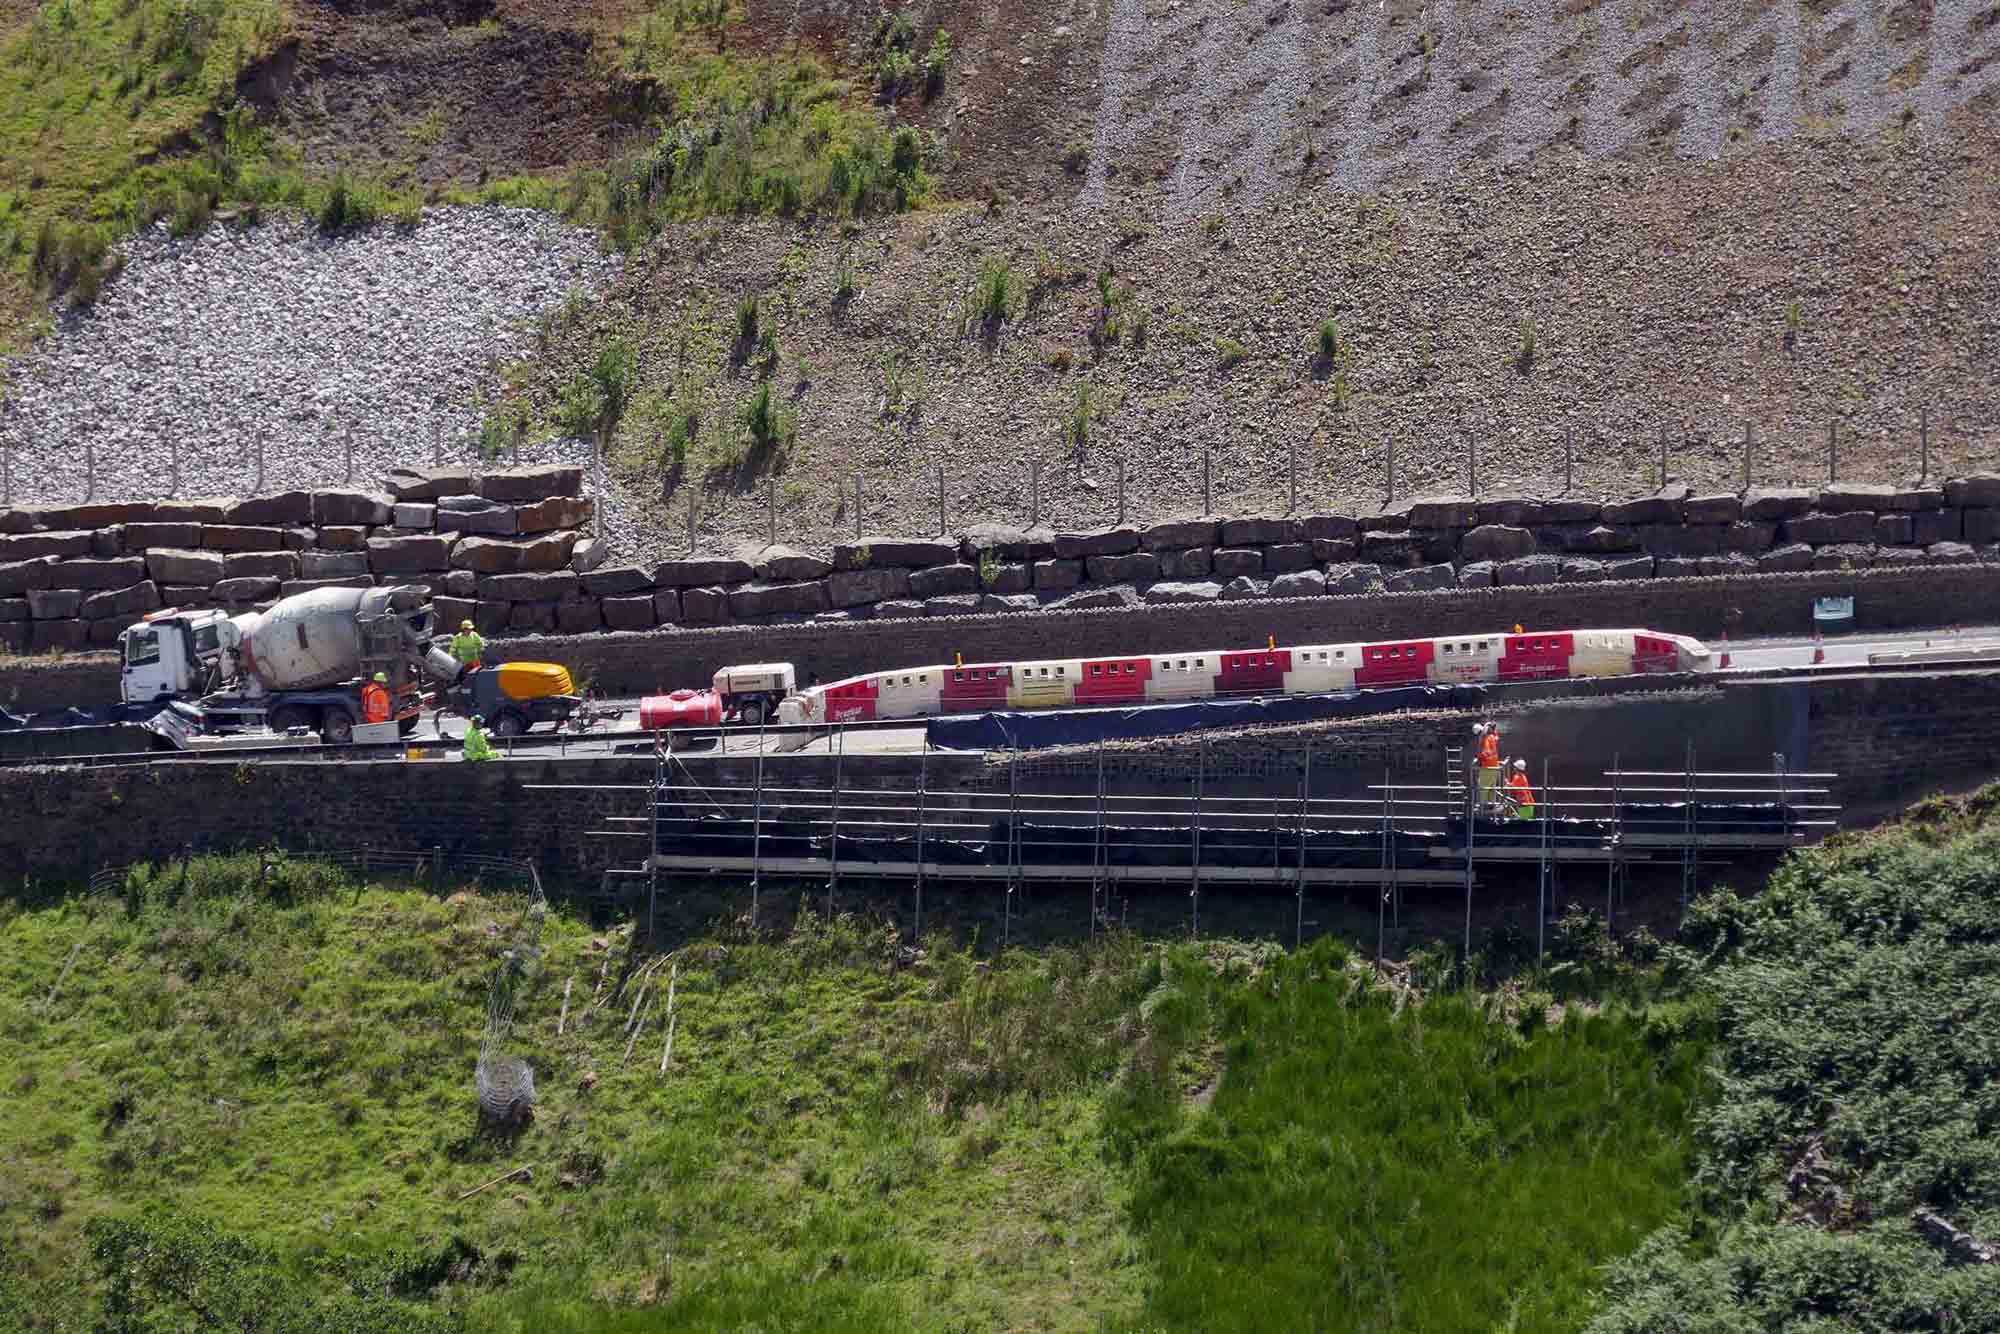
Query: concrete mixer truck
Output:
(299,665)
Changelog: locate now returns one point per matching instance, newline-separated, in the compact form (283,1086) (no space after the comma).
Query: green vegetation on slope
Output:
(1369,1164)
(1860,1035)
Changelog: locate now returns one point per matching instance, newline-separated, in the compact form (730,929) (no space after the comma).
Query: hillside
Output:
(1250,234)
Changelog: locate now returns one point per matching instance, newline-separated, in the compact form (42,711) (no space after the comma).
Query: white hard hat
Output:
(1520,764)
(1479,729)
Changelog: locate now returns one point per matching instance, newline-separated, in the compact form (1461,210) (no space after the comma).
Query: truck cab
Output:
(750,693)
(173,654)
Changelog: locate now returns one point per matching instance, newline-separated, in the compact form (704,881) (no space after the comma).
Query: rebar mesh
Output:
(506,1089)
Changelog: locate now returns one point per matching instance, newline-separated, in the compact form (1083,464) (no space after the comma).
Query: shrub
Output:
(746,319)
(1229,352)
(994,295)
(894,70)
(1328,343)
(1524,355)
(937,63)
(765,419)
(1078,427)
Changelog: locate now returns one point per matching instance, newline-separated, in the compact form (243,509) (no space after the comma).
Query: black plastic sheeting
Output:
(1274,848)
(1016,730)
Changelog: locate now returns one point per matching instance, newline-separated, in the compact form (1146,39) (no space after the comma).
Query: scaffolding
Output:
(1398,837)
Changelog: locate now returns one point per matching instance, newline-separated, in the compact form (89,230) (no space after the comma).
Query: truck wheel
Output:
(405,726)
(336,728)
(289,716)
(509,723)
(753,713)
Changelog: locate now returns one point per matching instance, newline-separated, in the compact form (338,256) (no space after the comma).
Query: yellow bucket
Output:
(534,680)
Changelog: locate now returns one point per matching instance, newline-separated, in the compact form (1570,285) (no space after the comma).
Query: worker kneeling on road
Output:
(477,747)
(467,645)
(375,700)
(1489,760)
(1518,789)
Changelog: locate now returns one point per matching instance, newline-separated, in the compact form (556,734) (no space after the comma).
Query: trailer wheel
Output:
(289,716)
(509,723)
(336,727)
(753,713)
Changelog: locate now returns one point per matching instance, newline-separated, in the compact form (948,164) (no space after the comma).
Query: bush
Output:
(1524,354)
(1327,345)
(937,63)
(994,295)
(746,319)
(1228,353)
(765,419)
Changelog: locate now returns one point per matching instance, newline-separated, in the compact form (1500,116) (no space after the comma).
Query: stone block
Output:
(1529,570)
(290,586)
(1844,556)
(1390,519)
(532,617)
(301,539)
(783,562)
(105,633)
(1981,490)
(91,514)
(1476,574)
(1910,499)
(1893,556)
(453,611)
(1174,590)
(1773,504)
(1895,529)
(408,555)
(16,520)
(1138,567)
(1179,534)
(1397,549)
(667,606)
(547,516)
(617,581)
(145,536)
(1326,549)
(1682,539)
(994,602)
(588,554)
(550,551)
(1980,526)
(1951,553)
(17,577)
(1234,562)
(1099,542)
(1676,567)
(1820,529)
(579,615)
(1788,559)
(630,613)
(430,483)
(1329,527)
(1721,507)
(944,581)
(108,541)
(1058,575)
(1257,532)
(488,618)
(1354,577)
(351,507)
(238,537)
(858,588)
(321,565)
(166,565)
(1665,505)
(952,604)
(1423,579)
(702,571)
(1003,579)
(414,515)
(278,509)
(16,636)
(1580,570)
(47,636)
(1243,588)
(478,517)
(248,589)
(1732,562)
(893,553)
(531,482)
(13,609)
(1495,541)
(270,565)
(1443,512)
(29,546)
(192,511)
(703,606)
(1288,557)
(1749,538)
(1602,539)
(341,537)
(1299,584)
(1846,497)
(1007,542)
(140,598)
(898,609)
(54,604)
(116,572)
(1629,567)
(754,600)
(1185,563)
(1111,597)
(483,555)
(541,587)
(1931,526)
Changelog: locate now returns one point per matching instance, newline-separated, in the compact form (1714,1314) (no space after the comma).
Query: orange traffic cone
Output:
(1725,650)
(1819,648)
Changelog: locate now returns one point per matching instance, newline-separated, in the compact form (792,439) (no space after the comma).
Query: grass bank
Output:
(230,1092)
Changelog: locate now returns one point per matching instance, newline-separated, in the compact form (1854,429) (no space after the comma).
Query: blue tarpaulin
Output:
(1032,731)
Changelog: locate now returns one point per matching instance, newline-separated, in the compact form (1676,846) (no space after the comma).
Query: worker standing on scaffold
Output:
(1489,761)
(1522,794)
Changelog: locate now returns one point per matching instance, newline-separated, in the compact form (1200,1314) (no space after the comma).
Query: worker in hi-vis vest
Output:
(1518,789)
(1489,760)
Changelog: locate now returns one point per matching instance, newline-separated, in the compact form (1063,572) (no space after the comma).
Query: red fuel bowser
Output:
(683,708)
